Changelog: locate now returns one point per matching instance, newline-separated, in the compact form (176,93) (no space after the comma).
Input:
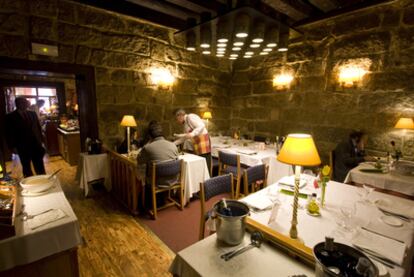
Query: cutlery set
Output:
(256,239)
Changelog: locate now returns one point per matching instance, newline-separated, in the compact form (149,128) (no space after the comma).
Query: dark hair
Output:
(154,129)
(19,101)
(357,135)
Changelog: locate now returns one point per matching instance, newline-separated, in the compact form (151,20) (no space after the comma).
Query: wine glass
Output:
(348,210)
(364,194)
(267,141)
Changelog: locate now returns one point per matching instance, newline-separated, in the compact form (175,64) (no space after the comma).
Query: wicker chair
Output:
(254,178)
(166,177)
(212,187)
(230,163)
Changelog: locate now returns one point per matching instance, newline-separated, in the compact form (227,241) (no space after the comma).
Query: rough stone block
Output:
(79,35)
(211,88)
(82,55)
(43,8)
(240,90)
(43,28)
(126,43)
(300,52)
(408,17)
(102,75)
(140,78)
(313,83)
(184,100)
(143,95)
(110,59)
(99,19)
(66,11)
(367,21)
(163,52)
(392,80)
(361,45)
(145,29)
(162,98)
(391,18)
(262,87)
(105,94)
(405,37)
(137,62)
(209,61)
(124,94)
(256,113)
(16,5)
(193,72)
(186,86)
(14,46)
(268,126)
(12,23)
(121,76)
(312,68)
(66,53)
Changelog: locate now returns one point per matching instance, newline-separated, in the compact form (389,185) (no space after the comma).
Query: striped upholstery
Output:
(217,185)
(167,173)
(227,158)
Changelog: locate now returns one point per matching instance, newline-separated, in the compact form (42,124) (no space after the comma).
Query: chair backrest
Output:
(255,173)
(217,185)
(228,158)
(166,172)
(259,138)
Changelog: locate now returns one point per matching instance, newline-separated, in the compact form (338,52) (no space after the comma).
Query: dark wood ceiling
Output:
(175,13)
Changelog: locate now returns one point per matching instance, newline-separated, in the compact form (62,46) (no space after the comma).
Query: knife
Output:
(382,235)
(395,215)
(376,255)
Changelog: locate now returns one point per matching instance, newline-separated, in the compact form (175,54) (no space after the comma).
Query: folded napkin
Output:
(395,207)
(290,181)
(257,201)
(383,246)
(247,152)
(45,218)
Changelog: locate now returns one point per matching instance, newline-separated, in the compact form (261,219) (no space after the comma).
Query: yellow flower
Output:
(325,170)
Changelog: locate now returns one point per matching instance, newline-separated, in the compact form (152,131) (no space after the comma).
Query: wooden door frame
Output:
(85,89)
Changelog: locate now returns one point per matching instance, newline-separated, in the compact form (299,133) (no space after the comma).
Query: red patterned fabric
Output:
(201,144)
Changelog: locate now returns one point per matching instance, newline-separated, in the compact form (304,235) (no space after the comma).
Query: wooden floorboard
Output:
(115,243)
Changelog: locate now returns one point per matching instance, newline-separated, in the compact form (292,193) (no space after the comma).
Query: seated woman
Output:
(349,153)
(136,142)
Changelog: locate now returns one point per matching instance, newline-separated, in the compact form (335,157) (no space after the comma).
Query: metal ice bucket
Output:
(231,228)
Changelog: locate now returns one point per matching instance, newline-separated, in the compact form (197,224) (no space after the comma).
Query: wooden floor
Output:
(115,244)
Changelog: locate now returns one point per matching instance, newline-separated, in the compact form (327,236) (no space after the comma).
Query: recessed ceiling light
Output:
(191,48)
(206,52)
(220,55)
(205,45)
(257,40)
(221,45)
(247,57)
(241,35)
(238,43)
(236,48)
(221,49)
(233,58)
(267,50)
(282,49)
(271,45)
(249,53)
(234,55)
(254,45)
(264,53)
(222,40)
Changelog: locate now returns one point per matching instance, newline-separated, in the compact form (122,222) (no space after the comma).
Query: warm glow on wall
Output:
(162,77)
(282,81)
(351,75)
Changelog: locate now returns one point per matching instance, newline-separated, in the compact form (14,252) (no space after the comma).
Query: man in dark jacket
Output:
(24,137)
(348,154)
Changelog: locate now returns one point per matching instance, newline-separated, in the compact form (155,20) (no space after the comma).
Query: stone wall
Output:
(315,103)
(122,50)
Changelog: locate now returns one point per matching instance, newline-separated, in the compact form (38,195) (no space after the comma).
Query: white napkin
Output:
(388,248)
(290,181)
(45,218)
(247,152)
(257,201)
(395,207)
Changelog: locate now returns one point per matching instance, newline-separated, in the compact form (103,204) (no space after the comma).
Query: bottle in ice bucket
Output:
(224,210)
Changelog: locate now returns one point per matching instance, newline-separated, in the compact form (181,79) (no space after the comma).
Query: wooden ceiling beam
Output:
(211,5)
(137,11)
(195,6)
(166,8)
(294,9)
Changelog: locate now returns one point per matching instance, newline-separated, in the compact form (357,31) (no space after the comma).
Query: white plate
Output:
(27,193)
(391,220)
(382,270)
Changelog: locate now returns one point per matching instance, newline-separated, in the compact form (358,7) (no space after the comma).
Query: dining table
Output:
(352,215)
(390,180)
(252,153)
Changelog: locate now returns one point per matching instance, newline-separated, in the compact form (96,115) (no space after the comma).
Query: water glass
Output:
(348,210)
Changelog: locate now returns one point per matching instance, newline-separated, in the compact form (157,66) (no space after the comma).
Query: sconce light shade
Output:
(128,121)
(191,41)
(299,149)
(241,28)
(351,75)
(258,32)
(283,38)
(207,115)
(282,81)
(404,123)
(162,77)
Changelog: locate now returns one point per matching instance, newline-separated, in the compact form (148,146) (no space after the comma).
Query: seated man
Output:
(348,154)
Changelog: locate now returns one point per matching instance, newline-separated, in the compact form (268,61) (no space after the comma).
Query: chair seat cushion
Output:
(166,183)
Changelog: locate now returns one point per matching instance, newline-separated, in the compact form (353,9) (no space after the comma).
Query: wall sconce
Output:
(282,81)
(207,116)
(350,76)
(404,123)
(162,77)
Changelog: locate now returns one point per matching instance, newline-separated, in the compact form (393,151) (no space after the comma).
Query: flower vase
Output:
(323,190)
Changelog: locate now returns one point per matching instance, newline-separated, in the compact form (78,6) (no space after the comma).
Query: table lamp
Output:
(207,116)
(404,123)
(128,121)
(298,150)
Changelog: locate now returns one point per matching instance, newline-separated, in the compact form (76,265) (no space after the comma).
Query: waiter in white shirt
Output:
(195,138)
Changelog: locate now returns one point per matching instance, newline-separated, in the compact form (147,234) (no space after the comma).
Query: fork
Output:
(27,216)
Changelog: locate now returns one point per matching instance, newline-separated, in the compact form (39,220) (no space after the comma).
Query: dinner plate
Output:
(27,193)
(391,220)
(382,270)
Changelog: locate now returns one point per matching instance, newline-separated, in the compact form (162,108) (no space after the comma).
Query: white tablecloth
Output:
(203,259)
(267,156)
(195,172)
(313,230)
(91,168)
(390,181)
(31,245)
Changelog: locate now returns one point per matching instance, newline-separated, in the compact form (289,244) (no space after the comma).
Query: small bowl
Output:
(37,183)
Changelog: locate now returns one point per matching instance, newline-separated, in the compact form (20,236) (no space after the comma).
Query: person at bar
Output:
(24,137)
(195,138)
(349,154)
